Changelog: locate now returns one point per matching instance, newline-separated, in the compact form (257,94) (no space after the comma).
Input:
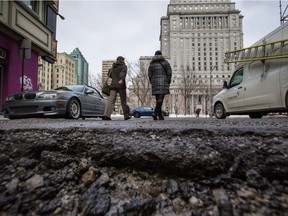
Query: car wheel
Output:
(73,109)
(137,115)
(220,112)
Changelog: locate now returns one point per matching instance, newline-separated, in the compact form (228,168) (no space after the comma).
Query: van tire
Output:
(256,115)
(286,100)
(219,111)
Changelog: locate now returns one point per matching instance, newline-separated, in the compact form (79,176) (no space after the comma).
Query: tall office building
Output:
(194,37)
(106,65)
(81,67)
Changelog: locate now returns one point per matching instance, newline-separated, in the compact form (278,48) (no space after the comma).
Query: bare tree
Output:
(187,84)
(139,81)
(95,80)
(204,89)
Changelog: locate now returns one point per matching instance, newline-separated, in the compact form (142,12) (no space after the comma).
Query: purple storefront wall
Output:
(13,70)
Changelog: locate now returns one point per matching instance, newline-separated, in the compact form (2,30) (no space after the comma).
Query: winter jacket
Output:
(118,72)
(159,77)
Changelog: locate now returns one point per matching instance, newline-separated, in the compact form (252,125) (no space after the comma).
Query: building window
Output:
(32,5)
(51,21)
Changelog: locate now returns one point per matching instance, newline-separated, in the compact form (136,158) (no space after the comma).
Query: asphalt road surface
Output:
(179,166)
(173,123)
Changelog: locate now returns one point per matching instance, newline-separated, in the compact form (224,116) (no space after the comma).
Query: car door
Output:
(235,95)
(149,111)
(94,103)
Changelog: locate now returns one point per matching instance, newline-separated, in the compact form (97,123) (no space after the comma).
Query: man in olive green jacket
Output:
(118,85)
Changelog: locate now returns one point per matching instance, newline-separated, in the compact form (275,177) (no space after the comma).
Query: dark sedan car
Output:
(145,111)
(73,101)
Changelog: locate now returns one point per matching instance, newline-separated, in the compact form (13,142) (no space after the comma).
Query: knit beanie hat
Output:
(120,58)
(158,52)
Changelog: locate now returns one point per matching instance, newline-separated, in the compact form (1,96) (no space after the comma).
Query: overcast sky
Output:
(103,30)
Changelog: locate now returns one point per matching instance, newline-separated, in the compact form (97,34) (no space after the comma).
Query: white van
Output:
(258,87)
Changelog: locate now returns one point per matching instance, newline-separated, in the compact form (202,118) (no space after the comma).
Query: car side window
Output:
(95,93)
(237,78)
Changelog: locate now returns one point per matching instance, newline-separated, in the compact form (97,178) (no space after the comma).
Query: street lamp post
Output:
(210,90)
(61,17)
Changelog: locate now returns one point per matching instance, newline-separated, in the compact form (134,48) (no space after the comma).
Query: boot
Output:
(161,116)
(154,116)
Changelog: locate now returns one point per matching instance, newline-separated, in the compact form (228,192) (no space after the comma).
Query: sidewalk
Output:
(2,117)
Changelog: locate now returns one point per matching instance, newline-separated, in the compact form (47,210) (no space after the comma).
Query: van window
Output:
(237,78)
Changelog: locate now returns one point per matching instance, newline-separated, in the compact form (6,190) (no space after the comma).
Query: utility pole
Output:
(283,18)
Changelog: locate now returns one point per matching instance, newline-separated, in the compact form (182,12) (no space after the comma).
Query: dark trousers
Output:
(159,102)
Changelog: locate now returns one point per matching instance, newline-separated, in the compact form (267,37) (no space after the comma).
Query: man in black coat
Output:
(160,74)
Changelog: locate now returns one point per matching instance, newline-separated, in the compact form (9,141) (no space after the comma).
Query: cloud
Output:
(260,18)
(103,30)
(106,29)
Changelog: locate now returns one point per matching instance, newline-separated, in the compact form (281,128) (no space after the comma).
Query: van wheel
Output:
(255,115)
(286,100)
(12,117)
(219,110)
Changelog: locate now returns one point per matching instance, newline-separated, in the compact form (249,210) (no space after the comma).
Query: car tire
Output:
(137,115)
(73,109)
(219,111)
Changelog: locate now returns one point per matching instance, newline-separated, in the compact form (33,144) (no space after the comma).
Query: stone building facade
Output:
(61,73)
(64,71)
(27,31)
(45,71)
(194,37)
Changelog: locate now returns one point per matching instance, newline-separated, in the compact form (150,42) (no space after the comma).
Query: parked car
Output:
(145,111)
(72,101)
